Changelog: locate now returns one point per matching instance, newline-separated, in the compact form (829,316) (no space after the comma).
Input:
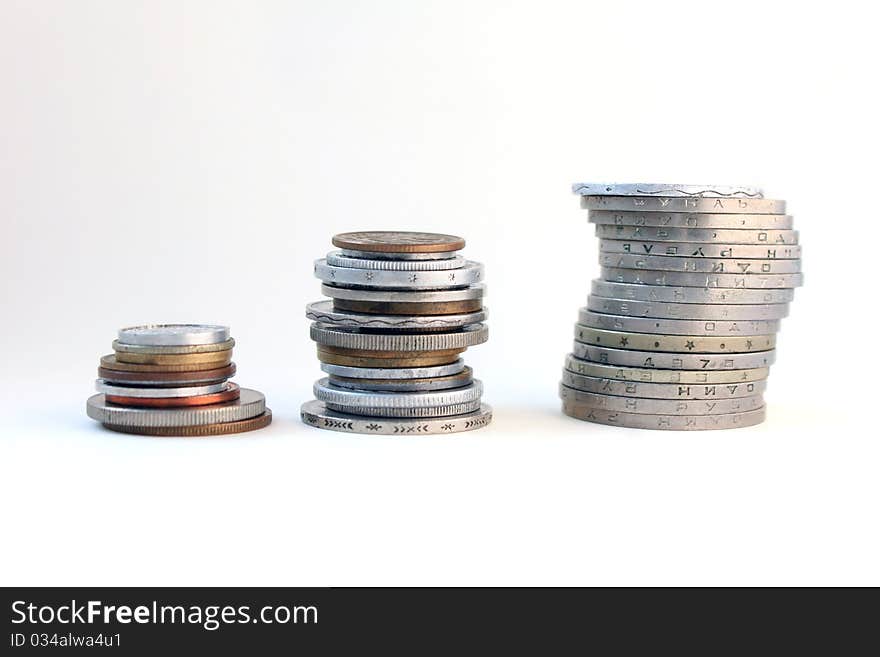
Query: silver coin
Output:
(469,274)
(250,404)
(686,310)
(323,312)
(661,406)
(433,411)
(102,385)
(741,266)
(707,281)
(390,296)
(155,335)
(468,336)
(404,385)
(316,414)
(692,220)
(381,255)
(662,390)
(640,292)
(330,394)
(665,422)
(697,250)
(664,361)
(693,344)
(697,235)
(678,326)
(643,375)
(337,259)
(173,349)
(197,378)
(394,373)
(684,204)
(664,189)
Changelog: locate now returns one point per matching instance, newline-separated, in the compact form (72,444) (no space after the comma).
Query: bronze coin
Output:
(408,308)
(168,379)
(231,393)
(398,241)
(411,361)
(110,362)
(212,359)
(219,429)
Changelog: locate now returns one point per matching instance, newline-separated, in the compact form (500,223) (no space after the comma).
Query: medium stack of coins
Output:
(680,329)
(404,306)
(172,380)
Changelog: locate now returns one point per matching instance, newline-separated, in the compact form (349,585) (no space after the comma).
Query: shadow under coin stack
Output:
(403,308)
(172,380)
(680,329)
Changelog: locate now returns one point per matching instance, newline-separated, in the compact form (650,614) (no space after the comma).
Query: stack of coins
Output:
(680,329)
(173,380)
(403,308)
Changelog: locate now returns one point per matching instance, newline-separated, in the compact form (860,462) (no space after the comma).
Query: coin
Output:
(209,360)
(339,259)
(587,368)
(398,296)
(467,336)
(664,189)
(683,204)
(173,334)
(695,344)
(390,241)
(230,392)
(395,373)
(432,411)
(316,414)
(140,391)
(642,292)
(662,390)
(250,404)
(692,220)
(324,313)
(699,235)
(120,347)
(429,359)
(167,379)
(665,422)
(219,429)
(468,274)
(686,310)
(723,281)
(463,378)
(678,326)
(110,362)
(329,394)
(698,250)
(667,361)
(411,310)
(661,406)
(740,266)
(378,255)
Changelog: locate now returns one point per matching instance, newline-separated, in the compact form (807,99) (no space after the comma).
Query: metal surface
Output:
(683,294)
(431,359)
(741,266)
(694,344)
(470,273)
(391,296)
(395,373)
(250,404)
(231,391)
(378,255)
(661,360)
(120,347)
(677,326)
(664,189)
(219,429)
(662,390)
(709,281)
(698,250)
(399,342)
(428,384)
(324,313)
(110,362)
(209,360)
(665,310)
(644,375)
(767,238)
(167,379)
(330,394)
(432,411)
(684,204)
(692,220)
(173,334)
(412,310)
(398,241)
(664,422)
(339,259)
(316,414)
(128,391)
(661,406)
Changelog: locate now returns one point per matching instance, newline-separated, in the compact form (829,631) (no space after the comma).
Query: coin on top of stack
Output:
(403,308)
(679,330)
(173,380)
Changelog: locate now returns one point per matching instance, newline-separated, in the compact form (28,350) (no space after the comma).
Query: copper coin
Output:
(411,361)
(212,359)
(110,362)
(219,429)
(231,393)
(398,241)
(407,308)
(167,379)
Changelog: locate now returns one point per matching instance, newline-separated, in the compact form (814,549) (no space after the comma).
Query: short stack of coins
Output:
(680,329)
(403,308)
(173,380)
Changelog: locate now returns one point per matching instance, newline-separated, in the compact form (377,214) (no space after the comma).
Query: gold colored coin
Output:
(213,359)
(110,362)
(218,429)
(429,360)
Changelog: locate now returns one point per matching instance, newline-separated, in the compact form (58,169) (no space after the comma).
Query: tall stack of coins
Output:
(680,329)
(403,308)
(173,380)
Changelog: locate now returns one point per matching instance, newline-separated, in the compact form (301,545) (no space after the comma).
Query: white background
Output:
(187,161)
